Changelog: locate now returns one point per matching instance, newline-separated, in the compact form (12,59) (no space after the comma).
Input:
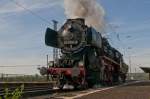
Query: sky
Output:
(23,24)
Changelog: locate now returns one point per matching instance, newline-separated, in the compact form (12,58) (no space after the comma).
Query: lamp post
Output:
(55,50)
(130,63)
(47,67)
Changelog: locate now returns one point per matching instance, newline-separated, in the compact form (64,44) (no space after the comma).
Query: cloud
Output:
(17,5)
(22,35)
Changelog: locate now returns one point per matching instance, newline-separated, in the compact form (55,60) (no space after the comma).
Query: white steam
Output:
(90,10)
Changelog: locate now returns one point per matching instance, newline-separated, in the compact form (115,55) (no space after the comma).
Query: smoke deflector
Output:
(51,38)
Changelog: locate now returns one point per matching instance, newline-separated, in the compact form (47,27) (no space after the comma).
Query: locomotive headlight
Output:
(67,35)
(81,63)
(43,71)
(69,26)
(64,33)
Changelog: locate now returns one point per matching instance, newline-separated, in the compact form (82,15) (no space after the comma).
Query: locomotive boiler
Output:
(87,58)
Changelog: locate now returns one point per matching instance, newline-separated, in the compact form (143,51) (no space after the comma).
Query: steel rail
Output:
(30,88)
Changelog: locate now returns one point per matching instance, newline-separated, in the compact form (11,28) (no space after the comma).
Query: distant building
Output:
(146,70)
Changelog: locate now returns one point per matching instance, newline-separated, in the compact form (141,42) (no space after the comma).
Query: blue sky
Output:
(22,33)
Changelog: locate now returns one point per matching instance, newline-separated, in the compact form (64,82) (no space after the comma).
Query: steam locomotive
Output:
(87,58)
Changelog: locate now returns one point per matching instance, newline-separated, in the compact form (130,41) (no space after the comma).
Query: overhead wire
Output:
(114,31)
(36,15)
(118,38)
(8,66)
(30,11)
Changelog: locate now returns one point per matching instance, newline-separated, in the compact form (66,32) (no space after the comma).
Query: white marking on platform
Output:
(91,92)
(99,90)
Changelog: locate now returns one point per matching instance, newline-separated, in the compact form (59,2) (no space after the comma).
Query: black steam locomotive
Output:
(87,57)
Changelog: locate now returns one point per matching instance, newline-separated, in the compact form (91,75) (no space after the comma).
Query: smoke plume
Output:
(90,10)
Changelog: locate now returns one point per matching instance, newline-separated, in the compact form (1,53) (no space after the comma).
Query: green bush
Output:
(16,94)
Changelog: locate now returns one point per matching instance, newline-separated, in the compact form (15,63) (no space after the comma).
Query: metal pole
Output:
(55,24)
(47,67)
(130,67)
(129,63)
(135,72)
(149,76)
(55,50)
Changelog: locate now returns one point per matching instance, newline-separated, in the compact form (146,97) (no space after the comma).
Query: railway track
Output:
(30,88)
(46,88)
